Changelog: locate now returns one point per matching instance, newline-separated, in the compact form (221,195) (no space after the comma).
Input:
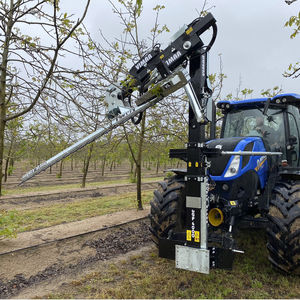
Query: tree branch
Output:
(51,68)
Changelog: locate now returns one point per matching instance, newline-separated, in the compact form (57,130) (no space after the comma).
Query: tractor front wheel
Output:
(167,208)
(284,227)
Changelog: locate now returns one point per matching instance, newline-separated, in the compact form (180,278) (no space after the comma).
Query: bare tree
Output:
(293,22)
(108,61)
(29,62)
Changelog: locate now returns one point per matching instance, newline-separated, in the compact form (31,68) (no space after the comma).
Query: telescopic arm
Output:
(157,74)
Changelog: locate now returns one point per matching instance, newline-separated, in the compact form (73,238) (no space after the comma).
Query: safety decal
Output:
(197,237)
(189,30)
(189,235)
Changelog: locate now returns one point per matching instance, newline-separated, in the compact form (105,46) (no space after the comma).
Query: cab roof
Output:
(278,99)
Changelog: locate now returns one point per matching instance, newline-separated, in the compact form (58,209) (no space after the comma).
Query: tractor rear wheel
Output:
(284,227)
(168,208)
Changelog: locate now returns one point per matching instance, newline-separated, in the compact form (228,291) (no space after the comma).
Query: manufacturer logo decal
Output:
(143,61)
(173,58)
(260,162)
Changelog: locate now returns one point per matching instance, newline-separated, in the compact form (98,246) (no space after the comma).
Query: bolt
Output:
(187,45)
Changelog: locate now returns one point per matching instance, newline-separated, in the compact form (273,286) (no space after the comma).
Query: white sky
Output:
(252,39)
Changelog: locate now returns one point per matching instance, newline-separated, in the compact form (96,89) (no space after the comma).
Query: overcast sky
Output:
(252,39)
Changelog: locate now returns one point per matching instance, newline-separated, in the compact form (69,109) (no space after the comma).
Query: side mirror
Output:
(293,140)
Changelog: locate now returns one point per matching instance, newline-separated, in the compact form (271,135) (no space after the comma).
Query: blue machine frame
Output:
(259,164)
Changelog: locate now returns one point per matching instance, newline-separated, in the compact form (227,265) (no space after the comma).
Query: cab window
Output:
(293,136)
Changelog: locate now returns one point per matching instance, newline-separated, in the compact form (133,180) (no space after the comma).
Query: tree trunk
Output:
(6,169)
(59,175)
(157,166)
(139,164)
(86,166)
(8,160)
(103,166)
(2,128)
(82,170)
(3,78)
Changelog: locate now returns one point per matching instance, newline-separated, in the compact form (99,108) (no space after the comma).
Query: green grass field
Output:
(148,276)
(74,211)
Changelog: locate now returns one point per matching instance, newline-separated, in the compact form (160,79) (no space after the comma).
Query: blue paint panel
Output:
(253,163)
(258,164)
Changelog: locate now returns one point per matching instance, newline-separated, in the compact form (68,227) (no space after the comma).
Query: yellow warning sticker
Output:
(233,203)
(197,236)
(189,235)
(189,30)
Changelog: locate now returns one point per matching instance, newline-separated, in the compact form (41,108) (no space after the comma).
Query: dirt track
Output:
(31,267)
(31,271)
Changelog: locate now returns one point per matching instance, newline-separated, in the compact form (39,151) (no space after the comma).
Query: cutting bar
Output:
(88,139)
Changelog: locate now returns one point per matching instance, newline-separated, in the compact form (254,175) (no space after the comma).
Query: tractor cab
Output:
(258,125)
(276,120)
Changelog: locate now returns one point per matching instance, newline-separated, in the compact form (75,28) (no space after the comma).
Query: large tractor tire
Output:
(167,208)
(284,227)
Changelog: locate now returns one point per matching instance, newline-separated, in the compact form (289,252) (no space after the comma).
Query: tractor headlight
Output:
(234,166)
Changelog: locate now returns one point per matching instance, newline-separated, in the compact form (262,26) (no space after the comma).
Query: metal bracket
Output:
(192,259)
(193,202)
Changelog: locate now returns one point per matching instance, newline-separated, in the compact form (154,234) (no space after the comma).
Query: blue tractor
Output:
(254,191)
(250,177)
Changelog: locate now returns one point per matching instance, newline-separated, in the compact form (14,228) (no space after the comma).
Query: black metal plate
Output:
(221,258)
(166,248)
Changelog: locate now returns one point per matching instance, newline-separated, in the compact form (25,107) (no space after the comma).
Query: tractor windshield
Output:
(252,122)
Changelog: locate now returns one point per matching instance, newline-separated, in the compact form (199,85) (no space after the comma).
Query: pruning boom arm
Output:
(156,75)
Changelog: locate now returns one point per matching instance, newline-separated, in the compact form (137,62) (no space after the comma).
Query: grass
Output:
(60,187)
(148,276)
(68,212)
